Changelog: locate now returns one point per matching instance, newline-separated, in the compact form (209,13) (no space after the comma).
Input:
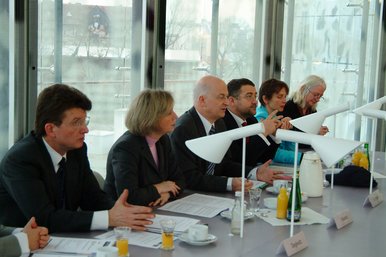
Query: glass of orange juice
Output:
(167,226)
(122,240)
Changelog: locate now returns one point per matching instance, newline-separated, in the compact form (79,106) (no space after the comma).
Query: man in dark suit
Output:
(210,103)
(261,147)
(47,173)
(18,241)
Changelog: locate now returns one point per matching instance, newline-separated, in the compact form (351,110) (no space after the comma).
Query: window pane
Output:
(4,77)
(188,51)
(95,57)
(326,42)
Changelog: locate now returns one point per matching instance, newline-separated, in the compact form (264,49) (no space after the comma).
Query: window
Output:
(196,46)
(89,45)
(4,78)
(328,41)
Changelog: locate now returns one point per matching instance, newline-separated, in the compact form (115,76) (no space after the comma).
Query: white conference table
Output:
(364,237)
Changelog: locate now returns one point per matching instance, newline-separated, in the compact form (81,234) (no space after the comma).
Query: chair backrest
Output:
(100,179)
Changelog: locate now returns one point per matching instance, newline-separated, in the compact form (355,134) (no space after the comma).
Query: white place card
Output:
(340,220)
(293,245)
(374,199)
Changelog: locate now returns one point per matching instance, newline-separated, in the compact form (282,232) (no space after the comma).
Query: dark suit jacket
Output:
(9,245)
(130,165)
(28,188)
(257,151)
(291,110)
(189,126)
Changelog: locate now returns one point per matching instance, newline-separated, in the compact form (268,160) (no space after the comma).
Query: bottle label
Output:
(297,215)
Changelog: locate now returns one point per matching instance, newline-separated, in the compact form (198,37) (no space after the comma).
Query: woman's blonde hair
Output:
(147,109)
(304,89)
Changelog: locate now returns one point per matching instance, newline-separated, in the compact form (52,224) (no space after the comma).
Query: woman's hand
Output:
(168,186)
(160,201)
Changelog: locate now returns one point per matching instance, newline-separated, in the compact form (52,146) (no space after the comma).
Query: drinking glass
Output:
(122,240)
(254,199)
(167,226)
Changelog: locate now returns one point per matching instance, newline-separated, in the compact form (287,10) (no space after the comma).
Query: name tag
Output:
(374,199)
(293,245)
(340,220)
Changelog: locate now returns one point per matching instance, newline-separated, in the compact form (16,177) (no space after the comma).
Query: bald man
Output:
(210,98)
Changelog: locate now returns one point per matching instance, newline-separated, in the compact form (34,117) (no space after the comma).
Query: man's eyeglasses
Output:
(249,97)
(80,122)
(316,95)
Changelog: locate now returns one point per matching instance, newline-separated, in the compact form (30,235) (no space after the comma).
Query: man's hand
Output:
(37,236)
(124,214)
(271,123)
(264,173)
(236,184)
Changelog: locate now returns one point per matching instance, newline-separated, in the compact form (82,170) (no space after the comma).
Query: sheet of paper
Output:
(199,205)
(57,255)
(139,238)
(182,223)
(73,245)
(309,216)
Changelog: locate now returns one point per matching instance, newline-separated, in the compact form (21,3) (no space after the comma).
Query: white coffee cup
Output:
(198,232)
(107,251)
(277,184)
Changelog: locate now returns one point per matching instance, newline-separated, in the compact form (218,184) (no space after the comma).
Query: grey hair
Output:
(305,87)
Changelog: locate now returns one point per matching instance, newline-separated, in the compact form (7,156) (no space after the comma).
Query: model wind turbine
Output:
(213,148)
(373,111)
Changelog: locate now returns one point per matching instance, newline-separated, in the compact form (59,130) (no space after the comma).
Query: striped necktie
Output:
(210,168)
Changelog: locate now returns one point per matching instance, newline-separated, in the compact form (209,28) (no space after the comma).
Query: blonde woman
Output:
(141,160)
(305,100)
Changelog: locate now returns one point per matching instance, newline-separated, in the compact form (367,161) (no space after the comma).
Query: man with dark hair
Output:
(260,148)
(47,174)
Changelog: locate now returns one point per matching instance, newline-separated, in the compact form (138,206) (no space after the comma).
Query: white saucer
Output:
(271,190)
(228,214)
(184,238)
(270,202)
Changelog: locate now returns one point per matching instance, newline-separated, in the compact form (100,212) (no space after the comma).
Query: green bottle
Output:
(298,202)
(368,155)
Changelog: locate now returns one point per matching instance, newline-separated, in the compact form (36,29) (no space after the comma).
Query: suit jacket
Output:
(257,150)
(28,187)
(130,165)
(291,110)
(9,245)
(189,126)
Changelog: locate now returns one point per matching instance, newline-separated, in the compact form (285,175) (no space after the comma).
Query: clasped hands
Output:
(165,188)
(37,236)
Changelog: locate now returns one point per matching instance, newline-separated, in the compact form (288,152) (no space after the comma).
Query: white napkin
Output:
(309,217)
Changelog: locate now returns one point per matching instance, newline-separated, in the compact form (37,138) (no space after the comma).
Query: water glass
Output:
(254,199)
(122,240)
(167,226)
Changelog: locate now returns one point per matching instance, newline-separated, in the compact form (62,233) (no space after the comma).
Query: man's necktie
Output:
(60,174)
(245,124)
(210,168)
